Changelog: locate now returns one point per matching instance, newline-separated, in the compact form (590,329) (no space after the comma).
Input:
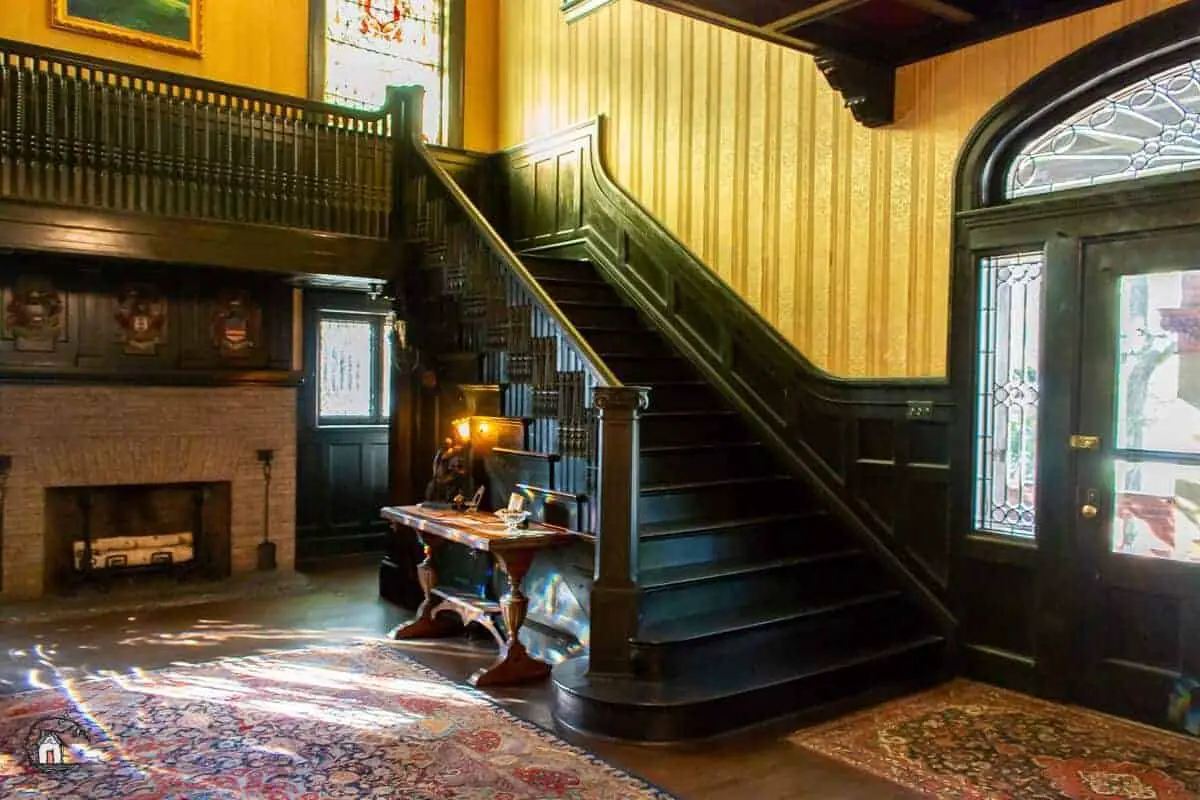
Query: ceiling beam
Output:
(820,10)
(943,9)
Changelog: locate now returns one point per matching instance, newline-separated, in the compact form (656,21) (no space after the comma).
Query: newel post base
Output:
(614,616)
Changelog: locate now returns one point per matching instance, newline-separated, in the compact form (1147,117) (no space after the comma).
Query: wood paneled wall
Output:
(838,235)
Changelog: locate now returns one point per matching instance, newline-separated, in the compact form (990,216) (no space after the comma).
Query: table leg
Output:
(515,665)
(428,623)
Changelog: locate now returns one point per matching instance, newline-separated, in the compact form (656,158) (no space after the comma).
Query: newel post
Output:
(614,615)
(404,106)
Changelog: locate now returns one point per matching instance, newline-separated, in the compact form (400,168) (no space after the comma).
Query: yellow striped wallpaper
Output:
(838,235)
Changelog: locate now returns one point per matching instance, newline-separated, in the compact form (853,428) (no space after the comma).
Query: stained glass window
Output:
(1149,128)
(1007,393)
(373,44)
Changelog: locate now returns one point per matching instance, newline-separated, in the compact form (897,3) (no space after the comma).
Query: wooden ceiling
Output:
(858,44)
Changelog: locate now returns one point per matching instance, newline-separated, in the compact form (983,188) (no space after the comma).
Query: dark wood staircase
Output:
(753,603)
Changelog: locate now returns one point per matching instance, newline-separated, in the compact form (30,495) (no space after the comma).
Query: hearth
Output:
(100,534)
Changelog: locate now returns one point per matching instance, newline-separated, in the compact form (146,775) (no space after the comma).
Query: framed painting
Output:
(170,25)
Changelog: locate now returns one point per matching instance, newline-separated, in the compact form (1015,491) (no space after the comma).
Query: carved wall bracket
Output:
(868,89)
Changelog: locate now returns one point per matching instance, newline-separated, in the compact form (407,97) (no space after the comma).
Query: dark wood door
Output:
(345,412)
(1138,479)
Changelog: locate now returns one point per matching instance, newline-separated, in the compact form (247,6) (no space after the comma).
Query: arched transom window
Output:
(1149,128)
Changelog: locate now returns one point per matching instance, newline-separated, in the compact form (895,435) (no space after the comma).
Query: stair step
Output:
(610,342)
(700,589)
(673,529)
(708,701)
(567,289)
(760,537)
(673,647)
(704,460)
(674,577)
(646,369)
(600,315)
(728,622)
(660,428)
(546,267)
(700,501)
(685,395)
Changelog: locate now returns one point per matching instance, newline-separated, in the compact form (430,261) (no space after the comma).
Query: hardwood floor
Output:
(344,605)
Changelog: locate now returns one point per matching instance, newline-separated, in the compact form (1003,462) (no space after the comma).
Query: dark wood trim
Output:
(145,237)
(806,415)
(39,375)
(454,70)
(869,90)
(316,49)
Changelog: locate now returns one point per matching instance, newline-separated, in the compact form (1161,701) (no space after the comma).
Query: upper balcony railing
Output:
(84,132)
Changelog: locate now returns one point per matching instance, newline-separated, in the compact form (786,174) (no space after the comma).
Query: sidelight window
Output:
(353,370)
(1007,393)
(1149,128)
(373,44)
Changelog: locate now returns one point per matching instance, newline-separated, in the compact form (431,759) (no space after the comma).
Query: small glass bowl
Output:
(512,518)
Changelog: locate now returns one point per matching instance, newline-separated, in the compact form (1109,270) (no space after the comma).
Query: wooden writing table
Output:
(514,553)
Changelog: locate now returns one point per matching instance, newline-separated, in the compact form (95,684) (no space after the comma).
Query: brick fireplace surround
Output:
(105,435)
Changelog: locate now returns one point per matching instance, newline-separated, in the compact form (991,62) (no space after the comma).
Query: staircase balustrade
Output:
(579,407)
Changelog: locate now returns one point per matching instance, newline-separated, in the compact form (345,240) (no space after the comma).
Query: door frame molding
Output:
(1035,650)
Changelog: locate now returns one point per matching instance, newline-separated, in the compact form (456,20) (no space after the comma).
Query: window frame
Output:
(453,48)
(381,390)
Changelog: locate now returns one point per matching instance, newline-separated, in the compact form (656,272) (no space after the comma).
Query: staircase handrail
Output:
(411,99)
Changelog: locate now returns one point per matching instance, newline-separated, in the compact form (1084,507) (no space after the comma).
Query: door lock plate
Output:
(1081,442)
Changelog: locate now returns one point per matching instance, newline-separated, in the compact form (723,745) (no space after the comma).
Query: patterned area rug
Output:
(969,741)
(339,722)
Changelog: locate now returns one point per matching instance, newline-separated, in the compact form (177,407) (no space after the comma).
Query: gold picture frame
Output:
(103,19)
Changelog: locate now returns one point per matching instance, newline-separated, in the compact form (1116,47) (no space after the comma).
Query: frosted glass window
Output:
(1149,128)
(373,44)
(347,351)
(1010,313)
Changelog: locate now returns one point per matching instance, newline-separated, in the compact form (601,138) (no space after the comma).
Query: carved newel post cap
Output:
(621,398)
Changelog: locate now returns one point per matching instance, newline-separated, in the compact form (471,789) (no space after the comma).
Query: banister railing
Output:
(87,132)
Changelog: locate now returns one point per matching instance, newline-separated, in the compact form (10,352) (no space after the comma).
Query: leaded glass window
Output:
(1149,128)
(373,44)
(354,363)
(1007,393)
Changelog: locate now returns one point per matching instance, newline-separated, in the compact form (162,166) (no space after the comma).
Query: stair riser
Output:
(716,502)
(684,398)
(665,661)
(647,371)
(602,316)
(585,292)
(795,584)
(698,429)
(751,542)
(817,698)
(627,343)
(566,270)
(708,464)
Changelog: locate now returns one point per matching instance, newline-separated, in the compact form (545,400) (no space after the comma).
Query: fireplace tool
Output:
(266,549)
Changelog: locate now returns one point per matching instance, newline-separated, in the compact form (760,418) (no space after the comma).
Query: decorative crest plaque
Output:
(142,317)
(34,314)
(237,325)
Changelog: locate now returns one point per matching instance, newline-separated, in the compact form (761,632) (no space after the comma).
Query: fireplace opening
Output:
(99,535)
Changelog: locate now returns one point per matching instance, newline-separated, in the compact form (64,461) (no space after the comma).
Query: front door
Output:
(1137,491)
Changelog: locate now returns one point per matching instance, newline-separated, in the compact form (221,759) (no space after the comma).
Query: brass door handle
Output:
(1088,511)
